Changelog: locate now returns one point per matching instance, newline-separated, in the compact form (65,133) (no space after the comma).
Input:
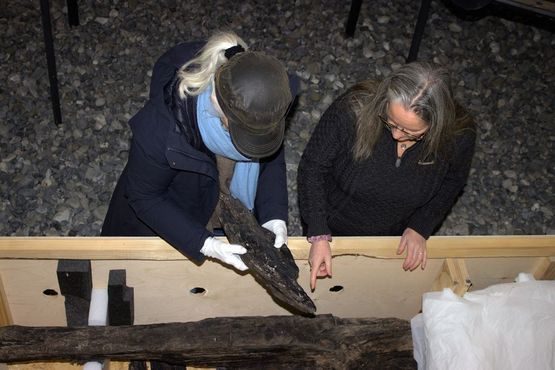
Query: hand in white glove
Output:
(228,253)
(279,228)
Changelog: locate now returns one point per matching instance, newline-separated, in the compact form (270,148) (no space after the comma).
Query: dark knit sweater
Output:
(340,196)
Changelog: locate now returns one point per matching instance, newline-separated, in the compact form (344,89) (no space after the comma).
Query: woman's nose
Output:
(396,133)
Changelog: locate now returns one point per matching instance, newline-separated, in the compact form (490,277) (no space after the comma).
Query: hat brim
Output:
(255,144)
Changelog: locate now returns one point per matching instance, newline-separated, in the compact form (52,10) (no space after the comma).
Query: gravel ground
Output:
(57,180)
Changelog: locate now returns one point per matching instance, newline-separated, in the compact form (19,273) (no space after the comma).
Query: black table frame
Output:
(73,19)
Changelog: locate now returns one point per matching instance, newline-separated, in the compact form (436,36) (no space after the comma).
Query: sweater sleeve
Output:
(427,218)
(329,140)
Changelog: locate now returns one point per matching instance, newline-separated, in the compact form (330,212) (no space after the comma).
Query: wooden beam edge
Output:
(453,275)
(545,270)
(154,248)
(5,313)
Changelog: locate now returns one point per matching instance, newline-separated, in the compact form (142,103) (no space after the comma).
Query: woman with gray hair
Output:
(210,103)
(387,158)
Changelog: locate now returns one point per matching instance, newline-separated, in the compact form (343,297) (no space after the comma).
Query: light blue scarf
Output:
(216,137)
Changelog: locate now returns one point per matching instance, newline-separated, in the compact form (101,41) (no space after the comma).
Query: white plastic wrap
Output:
(506,326)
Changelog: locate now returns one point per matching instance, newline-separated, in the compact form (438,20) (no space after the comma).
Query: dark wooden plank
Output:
(285,342)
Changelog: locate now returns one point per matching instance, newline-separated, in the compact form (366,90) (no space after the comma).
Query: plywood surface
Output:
(360,287)
(368,279)
(25,282)
(489,271)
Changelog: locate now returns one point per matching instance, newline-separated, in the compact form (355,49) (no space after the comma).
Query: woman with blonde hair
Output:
(208,101)
(387,158)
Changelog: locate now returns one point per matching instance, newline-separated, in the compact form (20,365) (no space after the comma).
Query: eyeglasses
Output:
(390,126)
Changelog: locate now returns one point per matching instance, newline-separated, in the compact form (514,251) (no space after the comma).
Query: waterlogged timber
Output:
(274,268)
(285,342)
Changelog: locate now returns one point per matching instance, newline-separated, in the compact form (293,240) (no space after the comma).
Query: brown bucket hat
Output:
(253,91)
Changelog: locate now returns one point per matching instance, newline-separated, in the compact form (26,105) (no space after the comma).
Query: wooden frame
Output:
(545,269)
(153,248)
(368,280)
(453,275)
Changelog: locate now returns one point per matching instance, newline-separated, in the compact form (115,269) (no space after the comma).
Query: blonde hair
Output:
(195,75)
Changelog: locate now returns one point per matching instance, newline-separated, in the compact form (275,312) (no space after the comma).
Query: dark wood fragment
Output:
(274,342)
(274,268)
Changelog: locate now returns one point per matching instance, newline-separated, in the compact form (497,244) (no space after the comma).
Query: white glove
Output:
(228,253)
(279,228)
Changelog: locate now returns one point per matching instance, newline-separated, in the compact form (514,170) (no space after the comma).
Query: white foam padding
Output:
(98,309)
(92,366)
(98,316)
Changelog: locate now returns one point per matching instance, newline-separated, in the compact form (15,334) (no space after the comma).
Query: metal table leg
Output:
(51,60)
(353,17)
(419,30)
(72,13)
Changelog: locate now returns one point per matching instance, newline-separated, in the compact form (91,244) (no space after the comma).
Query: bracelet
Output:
(317,238)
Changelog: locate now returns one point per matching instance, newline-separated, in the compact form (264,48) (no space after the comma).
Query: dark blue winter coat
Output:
(169,186)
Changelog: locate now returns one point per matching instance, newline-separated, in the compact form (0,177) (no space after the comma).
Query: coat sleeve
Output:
(148,180)
(271,195)
(427,218)
(330,139)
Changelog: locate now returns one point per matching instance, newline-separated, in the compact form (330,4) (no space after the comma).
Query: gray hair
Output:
(420,88)
(195,75)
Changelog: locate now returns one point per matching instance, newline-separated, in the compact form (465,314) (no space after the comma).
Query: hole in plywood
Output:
(50,292)
(198,291)
(336,289)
